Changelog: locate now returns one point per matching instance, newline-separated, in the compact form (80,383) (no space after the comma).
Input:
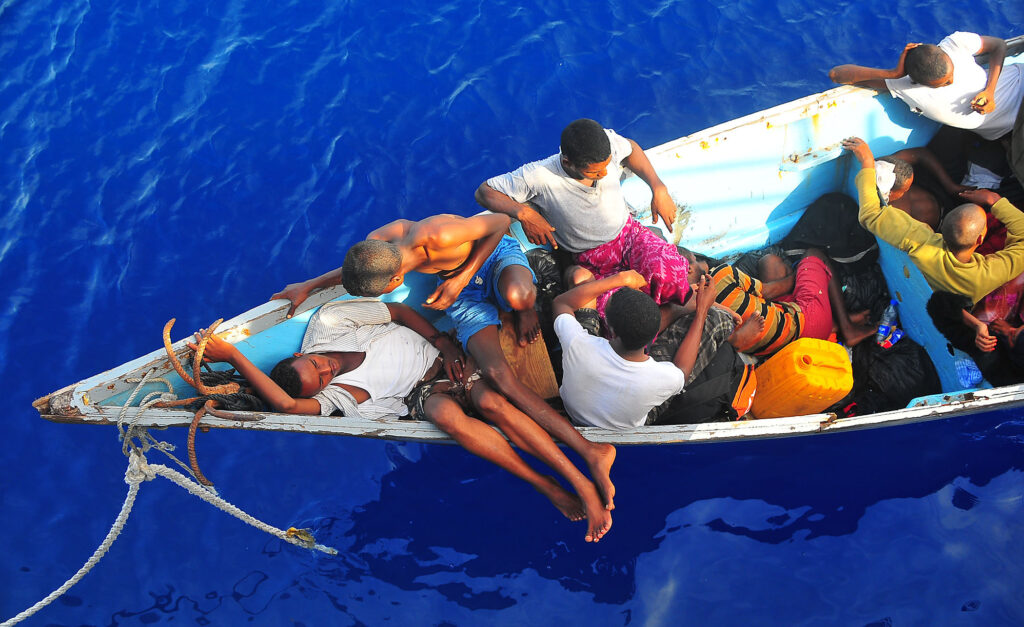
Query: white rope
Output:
(198,490)
(140,470)
(133,477)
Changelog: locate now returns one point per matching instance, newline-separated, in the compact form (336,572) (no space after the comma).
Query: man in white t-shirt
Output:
(573,200)
(946,84)
(614,383)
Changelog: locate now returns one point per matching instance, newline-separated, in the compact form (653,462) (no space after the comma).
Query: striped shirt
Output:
(782,321)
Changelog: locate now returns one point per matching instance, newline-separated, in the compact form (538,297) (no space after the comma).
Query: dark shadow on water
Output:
(442,505)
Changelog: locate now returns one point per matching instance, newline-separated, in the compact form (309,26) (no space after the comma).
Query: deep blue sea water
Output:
(185,159)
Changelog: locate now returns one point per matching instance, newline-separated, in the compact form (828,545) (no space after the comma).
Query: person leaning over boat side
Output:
(480,270)
(365,358)
(573,201)
(614,384)
(945,83)
(948,261)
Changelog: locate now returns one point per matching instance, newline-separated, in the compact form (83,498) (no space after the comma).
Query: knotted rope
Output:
(136,441)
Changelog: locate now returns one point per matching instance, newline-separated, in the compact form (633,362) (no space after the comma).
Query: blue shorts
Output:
(477,305)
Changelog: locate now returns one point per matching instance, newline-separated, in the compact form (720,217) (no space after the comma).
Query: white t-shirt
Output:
(396,359)
(951,104)
(601,389)
(584,217)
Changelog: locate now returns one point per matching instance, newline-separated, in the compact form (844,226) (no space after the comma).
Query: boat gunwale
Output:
(954,404)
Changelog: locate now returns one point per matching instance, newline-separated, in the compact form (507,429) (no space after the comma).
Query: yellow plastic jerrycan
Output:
(805,377)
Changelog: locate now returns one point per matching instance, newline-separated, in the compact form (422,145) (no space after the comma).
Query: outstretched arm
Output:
(985,101)
(872,78)
(571,300)
(218,350)
(662,204)
(298,292)
(686,354)
(485,231)
(537,229)
(451,354)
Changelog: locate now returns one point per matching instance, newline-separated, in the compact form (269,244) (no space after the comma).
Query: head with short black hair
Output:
(370,267)
(286,377)
(929,65)
(964,228)
(584,142)
(633,317)
(904,173)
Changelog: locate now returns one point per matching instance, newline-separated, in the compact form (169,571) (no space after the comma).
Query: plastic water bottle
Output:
(888,334)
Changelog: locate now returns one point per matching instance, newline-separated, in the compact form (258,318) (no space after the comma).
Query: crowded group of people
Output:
(637,318)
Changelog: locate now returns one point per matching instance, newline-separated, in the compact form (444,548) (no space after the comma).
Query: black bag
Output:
(830,223)
(709,396)
(888,378)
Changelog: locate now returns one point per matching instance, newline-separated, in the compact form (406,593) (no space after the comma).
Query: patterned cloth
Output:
(637,248)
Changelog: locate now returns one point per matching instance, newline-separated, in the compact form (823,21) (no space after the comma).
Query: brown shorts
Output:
(439,385)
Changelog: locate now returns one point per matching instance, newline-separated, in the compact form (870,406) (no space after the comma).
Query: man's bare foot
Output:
(569,504)
(599,519)
(600,464)
(527,326)
(748,332)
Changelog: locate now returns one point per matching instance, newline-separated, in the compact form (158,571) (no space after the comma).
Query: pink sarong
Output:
(637,248)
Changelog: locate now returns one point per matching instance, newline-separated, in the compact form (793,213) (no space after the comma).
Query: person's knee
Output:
(492,405)
(499,375)
(444,413)
(520,296)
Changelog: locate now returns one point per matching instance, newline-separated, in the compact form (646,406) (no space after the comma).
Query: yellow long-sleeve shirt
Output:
(943,271)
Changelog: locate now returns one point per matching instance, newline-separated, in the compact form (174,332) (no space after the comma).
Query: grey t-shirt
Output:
(584,217)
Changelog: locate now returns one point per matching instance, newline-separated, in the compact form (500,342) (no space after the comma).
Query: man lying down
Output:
(366,358)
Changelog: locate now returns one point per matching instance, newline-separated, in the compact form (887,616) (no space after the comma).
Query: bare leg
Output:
(851,331)
(483,441)
(527,435)
(516,286)
(486,350)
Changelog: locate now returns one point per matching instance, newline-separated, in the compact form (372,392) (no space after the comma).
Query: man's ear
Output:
(296,354)
(394,283)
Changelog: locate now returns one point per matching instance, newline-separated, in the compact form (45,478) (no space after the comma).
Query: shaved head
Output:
(963,227)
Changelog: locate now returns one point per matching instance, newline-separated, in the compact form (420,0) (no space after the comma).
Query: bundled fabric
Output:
(866,290)
(830,223)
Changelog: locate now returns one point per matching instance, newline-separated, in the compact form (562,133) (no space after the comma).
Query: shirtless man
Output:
(894,176)
(363,357)
(480,270)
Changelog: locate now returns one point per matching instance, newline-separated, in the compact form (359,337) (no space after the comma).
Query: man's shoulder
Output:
(963,43)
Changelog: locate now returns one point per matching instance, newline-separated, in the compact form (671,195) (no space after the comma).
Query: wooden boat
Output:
(740,185)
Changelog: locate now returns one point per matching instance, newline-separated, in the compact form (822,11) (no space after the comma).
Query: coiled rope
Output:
(136,441)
